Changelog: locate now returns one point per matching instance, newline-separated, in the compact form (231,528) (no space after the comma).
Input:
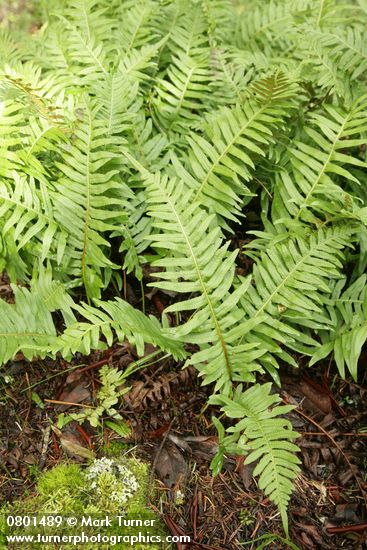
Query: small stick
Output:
(45,441)
(53,401)
(29,400)
(95,365)
(347,529)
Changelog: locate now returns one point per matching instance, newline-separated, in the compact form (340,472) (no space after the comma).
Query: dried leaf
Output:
(76,394)
(171,466)
(72,445)
(151,392)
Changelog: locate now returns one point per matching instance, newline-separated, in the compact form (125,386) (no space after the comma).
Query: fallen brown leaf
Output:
(171,466)
(72,445)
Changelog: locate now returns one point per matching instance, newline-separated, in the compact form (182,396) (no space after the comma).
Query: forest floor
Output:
(171,428)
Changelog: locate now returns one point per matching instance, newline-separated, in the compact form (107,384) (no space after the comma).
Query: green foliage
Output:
(107,397)
(267,438)
(147,132)
(70,490)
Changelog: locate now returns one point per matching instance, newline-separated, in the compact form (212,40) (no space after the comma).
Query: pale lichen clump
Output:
(112,480)
(108,487)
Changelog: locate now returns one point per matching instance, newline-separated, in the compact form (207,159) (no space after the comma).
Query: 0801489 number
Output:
(33,521)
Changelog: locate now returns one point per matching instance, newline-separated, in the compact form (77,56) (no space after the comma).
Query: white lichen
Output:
(111,480)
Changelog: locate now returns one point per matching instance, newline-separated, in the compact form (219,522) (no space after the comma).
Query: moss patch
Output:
(108,487)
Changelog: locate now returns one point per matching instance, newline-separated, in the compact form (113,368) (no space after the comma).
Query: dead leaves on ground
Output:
(155,391)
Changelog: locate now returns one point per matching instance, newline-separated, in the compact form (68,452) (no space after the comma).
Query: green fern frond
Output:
(25,84)
(312,188)
(290,292)
(347,49)
(181,93)
(202,268)
(268,438)
(348,314)
(91,199)
(27,325)
(10,140)
(221,18)
(120,318)
(328,13)
(138,64)
(221,161)
(89,17)
(117,95)
(325,72)
(231,74)
(187,31)
(26,212)
(268,24)
(137,25)
(88,56)
(9,50)
(135,235)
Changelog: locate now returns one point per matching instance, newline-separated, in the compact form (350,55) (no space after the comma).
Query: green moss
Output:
(115,448)
(108,487)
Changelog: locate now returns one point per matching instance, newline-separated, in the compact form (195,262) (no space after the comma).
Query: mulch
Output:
(171,428)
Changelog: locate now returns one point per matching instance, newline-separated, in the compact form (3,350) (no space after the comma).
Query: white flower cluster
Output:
(112,476)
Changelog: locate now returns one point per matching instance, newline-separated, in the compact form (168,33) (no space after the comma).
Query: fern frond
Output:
(135,235)
(269,439)
(26,212)
(324,71)
(314,185)
(83,41)
(89,18)
(41,95)
(221,20)
(203,268)
(182,93)
(347,49)
(230,76)
(138,64)
(27,325)
(290,292)
(137,25)
(9,51)
(117,95)
(221,161)
(187,30)
(268,25)
(90,200)
(10,140)
(348,333)
(328,13)
(117,317)
(88,56)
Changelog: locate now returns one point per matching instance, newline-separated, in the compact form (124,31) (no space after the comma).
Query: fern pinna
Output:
(150,132)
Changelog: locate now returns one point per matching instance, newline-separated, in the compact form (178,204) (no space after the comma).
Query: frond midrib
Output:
(203,286)
(88,200)
(325,165)
(289,275)
(178,107)
(225,151)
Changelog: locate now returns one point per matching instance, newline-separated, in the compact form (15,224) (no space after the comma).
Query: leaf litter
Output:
(172,428)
